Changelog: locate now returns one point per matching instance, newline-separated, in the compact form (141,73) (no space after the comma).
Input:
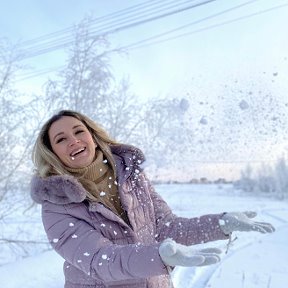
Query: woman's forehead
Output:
(63,124)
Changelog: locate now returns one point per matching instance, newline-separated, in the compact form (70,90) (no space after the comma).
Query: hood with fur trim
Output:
(65,189)
(58,189)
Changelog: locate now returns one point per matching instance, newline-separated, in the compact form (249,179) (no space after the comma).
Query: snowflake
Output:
(203,120)
(221,222)
(243,105)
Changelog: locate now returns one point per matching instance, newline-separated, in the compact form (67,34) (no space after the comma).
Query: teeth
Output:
(76,152)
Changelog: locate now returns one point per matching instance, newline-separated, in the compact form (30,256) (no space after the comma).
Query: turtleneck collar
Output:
(95,171)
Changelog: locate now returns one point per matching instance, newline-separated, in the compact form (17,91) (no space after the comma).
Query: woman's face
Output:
(72,142)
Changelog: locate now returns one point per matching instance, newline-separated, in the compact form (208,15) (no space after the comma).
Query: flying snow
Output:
(243,105)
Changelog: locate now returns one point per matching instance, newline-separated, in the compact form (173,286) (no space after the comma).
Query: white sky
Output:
(257,43)
(218,66)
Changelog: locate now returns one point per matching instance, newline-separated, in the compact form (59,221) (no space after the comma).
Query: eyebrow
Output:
(60,133)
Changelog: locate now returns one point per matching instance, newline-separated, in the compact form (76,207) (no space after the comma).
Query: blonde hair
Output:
(43,157)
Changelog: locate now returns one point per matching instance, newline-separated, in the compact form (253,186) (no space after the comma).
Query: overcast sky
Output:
(256,43)
(226,63)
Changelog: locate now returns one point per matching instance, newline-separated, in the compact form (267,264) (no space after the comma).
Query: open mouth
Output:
(77,152)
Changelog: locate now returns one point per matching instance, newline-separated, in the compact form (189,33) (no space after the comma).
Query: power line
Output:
(108,17)
(164,14)
(70,37)
(137,46)
(189,24)
(37,73)
(67,41)
(134,45)
(96,20)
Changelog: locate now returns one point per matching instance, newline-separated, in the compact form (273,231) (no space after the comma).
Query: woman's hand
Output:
(241,221)
(174,254)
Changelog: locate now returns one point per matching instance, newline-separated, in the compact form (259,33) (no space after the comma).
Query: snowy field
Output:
(253,260)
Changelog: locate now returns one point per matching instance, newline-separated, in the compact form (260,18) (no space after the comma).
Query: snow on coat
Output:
(99,248)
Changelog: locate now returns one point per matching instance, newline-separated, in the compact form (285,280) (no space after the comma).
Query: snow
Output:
(203,121)
(253,259)
(243,105)
(44,270)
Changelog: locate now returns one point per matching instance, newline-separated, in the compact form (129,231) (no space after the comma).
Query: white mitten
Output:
(237,221)
(174,254)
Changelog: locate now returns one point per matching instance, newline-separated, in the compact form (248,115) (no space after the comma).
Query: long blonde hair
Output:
(43,157)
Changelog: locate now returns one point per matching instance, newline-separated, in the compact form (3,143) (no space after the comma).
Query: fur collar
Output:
(58,189)
(65,189)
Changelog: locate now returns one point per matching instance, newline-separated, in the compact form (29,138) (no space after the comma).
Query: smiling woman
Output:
(103,216)
(71,138)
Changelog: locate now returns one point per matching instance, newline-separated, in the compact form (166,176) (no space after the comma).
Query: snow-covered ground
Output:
(253,260)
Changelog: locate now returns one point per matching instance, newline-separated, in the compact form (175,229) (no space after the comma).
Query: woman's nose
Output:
(73,141)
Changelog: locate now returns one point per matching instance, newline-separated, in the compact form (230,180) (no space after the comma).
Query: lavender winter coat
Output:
(99,248)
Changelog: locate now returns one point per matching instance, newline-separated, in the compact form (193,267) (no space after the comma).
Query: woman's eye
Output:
(60,140)
(79,131)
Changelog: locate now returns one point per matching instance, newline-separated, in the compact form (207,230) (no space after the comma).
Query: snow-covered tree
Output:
(18,123)
(269,180)
(86,81)
(281,178)
(11,117)
(246,182)
(87,85)
(265,181)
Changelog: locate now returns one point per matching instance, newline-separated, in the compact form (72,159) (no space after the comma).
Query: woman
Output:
(102,215)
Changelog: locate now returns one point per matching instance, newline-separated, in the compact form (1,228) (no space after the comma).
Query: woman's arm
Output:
(84,247)
(187,231)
